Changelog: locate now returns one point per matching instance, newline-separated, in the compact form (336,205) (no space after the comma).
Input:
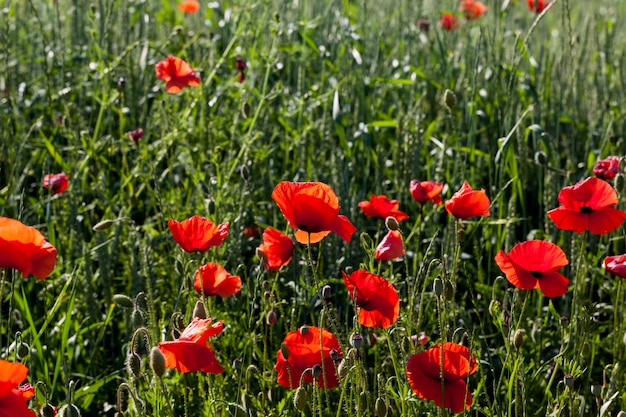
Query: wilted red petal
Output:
(198,233)
(277,247)
(391,247)
(25,249)
(376,298)
(616,265)
(468,202)
(305,351)
(381,206)
(213,279)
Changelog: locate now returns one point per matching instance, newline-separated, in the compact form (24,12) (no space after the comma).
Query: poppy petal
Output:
(605,220)
(553,284)
(515,274)
(566,219)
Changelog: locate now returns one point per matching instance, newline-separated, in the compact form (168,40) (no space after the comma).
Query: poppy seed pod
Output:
(317,371)
(392,223)
(596,390)
(157,361)
(284,350)
(568,380)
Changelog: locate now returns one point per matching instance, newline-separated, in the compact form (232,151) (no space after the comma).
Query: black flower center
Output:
(536,274)
(586,210)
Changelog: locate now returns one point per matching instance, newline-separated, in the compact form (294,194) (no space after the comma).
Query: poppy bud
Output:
(362,404)
(449,98)
(69,410)
(356,340)
(270,318)
(136,318)
(266,285)
(244,171)
(157,361)
(392,223)
(334,355)
(448,290)
(494,308)
(621,414)
(518,338)
(596,390)
(619,182)
(300,399)
(22,350)
(121,83)
(199,310)
(47,410)
(438,286)
(123,301)
(423,25)
(261,255)
(326,292)
(563,321)
(568,380)
(304,329)
(284,349)
(541,158)
(133,364)
(267,295)
(343,368)
(380,407)
(317,371)
(103,225)
(237,364)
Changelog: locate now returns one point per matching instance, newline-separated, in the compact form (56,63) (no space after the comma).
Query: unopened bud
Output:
(103,225)
(157,361)
(317,371)
(237,364)
(619,182)
(518,338)
(448,290)
(568,380)
(380,407)
(362,404)
(326,292)
(300,399)
(261,255)
(245,172)
(356,340)
(47,410)
(304,330)
(22,350)
(392,223)
(541,158)
(69,410)
(596,390)
(123,301)
(334,355)
(284,349)
(136,318)
(563,321)
(343,368)
(270,318)
(621,414)
(199,310)
(133,364)
(438,287)
(449,98)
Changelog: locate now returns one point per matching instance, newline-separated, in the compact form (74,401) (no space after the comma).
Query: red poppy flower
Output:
(472,9)
(213,279)
(378,304)
(189,6)
(198,234)
(391,247)
(25,249)
(177,74)
(13,397)
(448,22)
(537,6)
(423,371)
(607,169)
(422,191)
(616,265)
(277,247)
(57,183)
(191,352)
(534,264)
(305,348)
(588,205)
(381,206)
(468,202)
(313,209)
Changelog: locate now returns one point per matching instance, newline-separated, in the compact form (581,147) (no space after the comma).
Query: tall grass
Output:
(349,93)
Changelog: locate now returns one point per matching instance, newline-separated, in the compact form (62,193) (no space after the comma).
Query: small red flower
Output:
(313,209)
(449,390)
(189,6)
(177,74)
(381,206)
(277,247)
(607,169)
(57,183)
(449,22)
(213,279)
(616,265)
(468,202)
(241,69)
(588,205)
(135,135)
(378,304)
(391,247)
(25,249)
(534,264)
(422,191)
(472,9)
(307,347)
(198,234)
(13,396)
(191,352)
(537,6)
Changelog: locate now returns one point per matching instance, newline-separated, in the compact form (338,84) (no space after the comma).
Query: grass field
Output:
(363,97)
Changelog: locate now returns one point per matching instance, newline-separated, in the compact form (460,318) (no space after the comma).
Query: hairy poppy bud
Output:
(568,380)
(22,350)
(518,338)
(304,329)
(317,371)
(326,292)
(334,355)
(47,410)
(362,403)
(392,223)
(103,225)
(199,310)
(69,410)
(356,340)
(541,158)
(300,399)
(133,364)
(448,290)
(621,414)
(596,390)
(563,321)
(157,361)
(136,318)
(449,98)
(619,182)
(284,349)
(343,368)
(123,301)
(438,286)
(270,318)
(380,407)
